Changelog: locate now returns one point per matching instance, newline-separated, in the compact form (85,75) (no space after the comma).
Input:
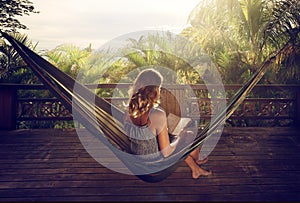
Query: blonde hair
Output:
(144,93)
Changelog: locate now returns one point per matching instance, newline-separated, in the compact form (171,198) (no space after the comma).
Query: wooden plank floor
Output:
(248,164)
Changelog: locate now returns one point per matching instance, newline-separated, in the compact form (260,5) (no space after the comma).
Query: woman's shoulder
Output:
(158,111)
(157,114)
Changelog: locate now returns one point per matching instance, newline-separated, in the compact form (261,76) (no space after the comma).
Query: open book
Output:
(176,124)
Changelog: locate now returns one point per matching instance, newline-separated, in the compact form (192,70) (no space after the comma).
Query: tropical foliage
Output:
(69,58)
(240,34)
(10,10)
(178,60)
(12,67)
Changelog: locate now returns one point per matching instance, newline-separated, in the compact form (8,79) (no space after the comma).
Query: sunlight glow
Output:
(97,21)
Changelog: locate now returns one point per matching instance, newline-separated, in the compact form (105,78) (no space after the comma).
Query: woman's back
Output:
(143,139)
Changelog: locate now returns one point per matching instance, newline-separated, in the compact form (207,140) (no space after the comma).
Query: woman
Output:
(146,123)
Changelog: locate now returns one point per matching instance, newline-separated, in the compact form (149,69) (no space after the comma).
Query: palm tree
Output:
(283,34)
(162,50)
(240,34)
(12,66)
(69,58)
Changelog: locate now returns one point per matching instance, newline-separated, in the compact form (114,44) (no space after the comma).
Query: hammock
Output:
(94,111)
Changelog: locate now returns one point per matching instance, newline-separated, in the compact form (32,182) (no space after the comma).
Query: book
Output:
(176,124)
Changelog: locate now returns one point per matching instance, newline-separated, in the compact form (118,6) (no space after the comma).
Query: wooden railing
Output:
(33,106)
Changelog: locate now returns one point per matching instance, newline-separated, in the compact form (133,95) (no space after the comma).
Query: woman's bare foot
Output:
(203,161)
(197,172)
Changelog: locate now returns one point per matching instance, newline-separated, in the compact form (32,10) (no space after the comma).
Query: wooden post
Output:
(7,107)
(297,110)
(169,102)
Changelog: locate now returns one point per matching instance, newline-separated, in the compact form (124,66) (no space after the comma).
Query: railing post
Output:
(169,102)
(297,110)
(7,107)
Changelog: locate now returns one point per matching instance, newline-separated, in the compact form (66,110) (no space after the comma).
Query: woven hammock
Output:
(94,112)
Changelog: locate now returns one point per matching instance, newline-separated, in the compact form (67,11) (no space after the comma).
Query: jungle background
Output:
(236,35)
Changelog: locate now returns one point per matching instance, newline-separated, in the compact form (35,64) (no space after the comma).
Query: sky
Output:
(84,22)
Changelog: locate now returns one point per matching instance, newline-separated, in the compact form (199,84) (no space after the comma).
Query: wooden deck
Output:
(248,164)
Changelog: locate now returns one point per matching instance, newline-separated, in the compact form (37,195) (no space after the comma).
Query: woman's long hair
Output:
(145,92)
